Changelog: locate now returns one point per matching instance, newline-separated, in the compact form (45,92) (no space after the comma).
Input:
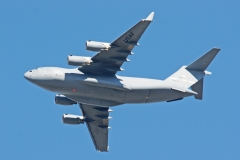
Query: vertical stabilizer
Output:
(192,75)
(185,78)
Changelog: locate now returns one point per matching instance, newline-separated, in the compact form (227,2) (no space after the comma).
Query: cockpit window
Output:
(30,71)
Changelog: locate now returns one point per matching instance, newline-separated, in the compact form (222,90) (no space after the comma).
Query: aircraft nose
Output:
(27,75)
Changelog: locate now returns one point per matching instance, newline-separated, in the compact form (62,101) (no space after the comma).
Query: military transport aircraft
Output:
(95,87)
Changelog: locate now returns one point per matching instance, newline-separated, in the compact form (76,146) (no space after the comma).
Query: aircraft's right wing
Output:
(109,61)
(97,122)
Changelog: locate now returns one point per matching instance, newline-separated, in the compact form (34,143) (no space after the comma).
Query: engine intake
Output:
(78,60)
(97,46)
(63,100)
(72,119)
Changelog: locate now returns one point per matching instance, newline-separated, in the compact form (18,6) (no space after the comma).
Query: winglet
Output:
(150,17)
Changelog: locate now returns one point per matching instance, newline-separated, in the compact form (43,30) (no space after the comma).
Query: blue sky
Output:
(42,33)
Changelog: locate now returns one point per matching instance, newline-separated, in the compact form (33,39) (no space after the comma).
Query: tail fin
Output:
(193,74)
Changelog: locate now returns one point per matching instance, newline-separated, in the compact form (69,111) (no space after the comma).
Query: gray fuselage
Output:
(102,90)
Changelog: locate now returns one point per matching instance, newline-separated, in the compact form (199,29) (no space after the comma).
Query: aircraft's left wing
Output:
(97,123)
(110,60)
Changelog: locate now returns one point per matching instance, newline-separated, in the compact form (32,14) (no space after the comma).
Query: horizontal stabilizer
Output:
(203,62)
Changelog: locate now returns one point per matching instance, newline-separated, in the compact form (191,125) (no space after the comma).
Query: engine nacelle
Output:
(97,46)
(78,60)
(63,100)
(72,119)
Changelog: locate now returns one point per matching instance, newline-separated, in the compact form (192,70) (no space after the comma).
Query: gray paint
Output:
(76,85)
(96,87)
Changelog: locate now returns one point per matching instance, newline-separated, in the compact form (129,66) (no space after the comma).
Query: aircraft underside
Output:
(95,87)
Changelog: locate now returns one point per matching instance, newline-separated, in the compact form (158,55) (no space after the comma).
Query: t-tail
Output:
(193,75)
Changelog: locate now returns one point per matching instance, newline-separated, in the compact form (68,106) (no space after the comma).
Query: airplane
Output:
(95,86)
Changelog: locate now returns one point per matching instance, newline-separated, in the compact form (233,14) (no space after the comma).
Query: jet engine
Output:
(97,46)
(63,100)
(72,119)
(78,60)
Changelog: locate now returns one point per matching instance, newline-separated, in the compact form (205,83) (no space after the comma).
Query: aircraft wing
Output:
(97,120)
(109,61)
